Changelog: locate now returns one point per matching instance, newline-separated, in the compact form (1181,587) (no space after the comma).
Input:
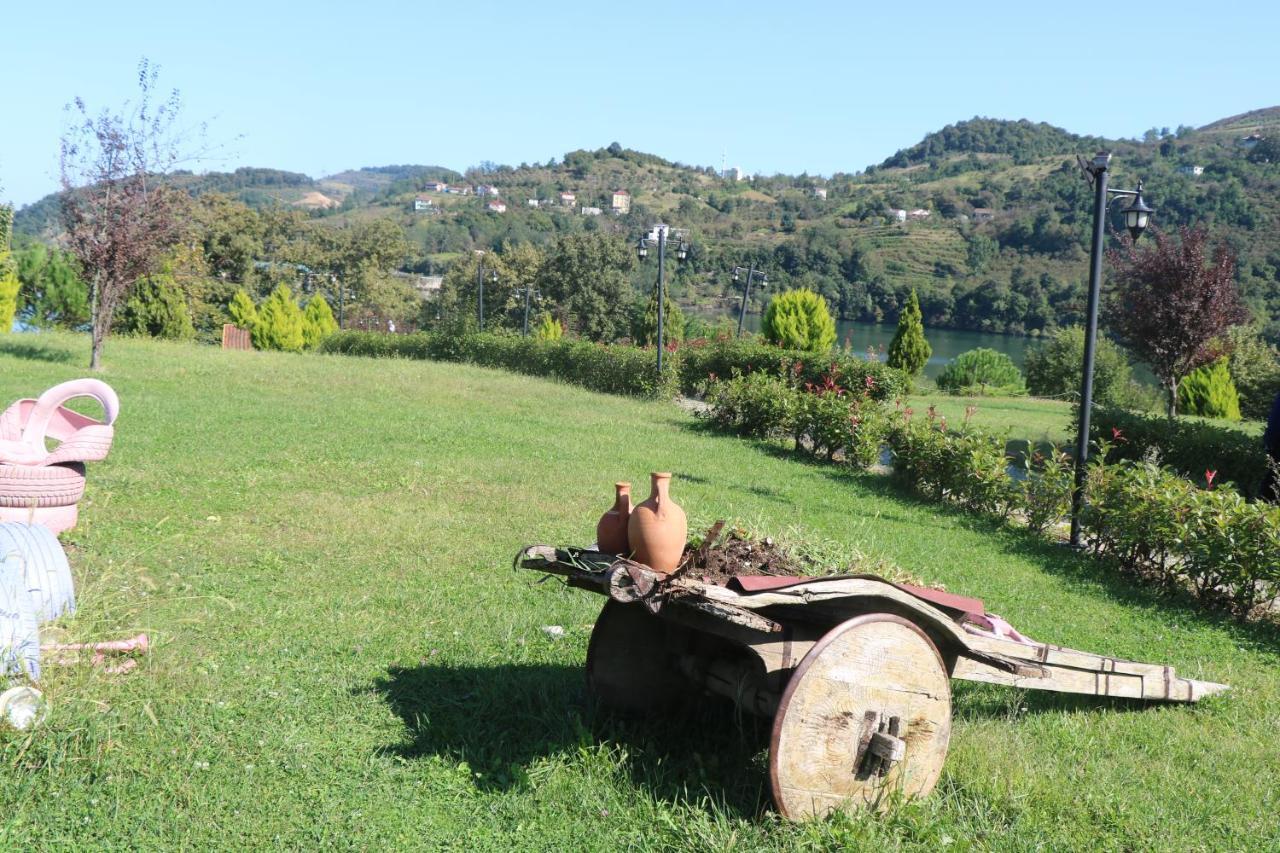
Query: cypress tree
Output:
(317,322)
(279,323)
(243,312)
(909,351)
(9,282)
(1209,392)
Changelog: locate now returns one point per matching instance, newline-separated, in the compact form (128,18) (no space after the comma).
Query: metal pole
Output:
(746,294)
(480,301)
(342,303)
(527,292)
(662,296)
(1090,339)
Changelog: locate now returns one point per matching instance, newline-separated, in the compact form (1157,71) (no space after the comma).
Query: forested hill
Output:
(995,235)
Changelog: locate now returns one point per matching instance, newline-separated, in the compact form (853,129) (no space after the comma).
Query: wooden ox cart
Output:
(854,670)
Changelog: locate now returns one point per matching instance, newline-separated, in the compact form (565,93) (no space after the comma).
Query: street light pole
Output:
(493,276)
(746,293)
(682,251)
(528,294)
(1137,215)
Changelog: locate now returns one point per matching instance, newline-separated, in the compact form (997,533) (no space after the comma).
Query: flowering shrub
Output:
(825,419)
(967,466)
(725,358)
(1158,525)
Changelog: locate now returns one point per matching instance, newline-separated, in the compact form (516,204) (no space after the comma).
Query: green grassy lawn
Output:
(1032,418)
(320,548)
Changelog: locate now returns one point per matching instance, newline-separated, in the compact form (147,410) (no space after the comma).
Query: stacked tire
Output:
(43,494)
(35,587)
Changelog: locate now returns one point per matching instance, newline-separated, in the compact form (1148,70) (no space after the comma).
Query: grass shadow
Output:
(36,352)
(504,718)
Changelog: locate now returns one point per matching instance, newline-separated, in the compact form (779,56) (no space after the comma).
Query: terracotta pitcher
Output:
(658,529)
(611,531)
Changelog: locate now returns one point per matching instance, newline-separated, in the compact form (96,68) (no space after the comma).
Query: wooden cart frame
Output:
(854,670)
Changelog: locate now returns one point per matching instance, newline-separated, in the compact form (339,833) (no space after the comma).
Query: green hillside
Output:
(1001,246)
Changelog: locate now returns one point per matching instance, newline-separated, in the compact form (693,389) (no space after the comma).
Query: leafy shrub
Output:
(909,351)
(610,369)
(966,466)
(799,319)
(644,322)
(702,361)
(1209,392)
(1157,525)
(1044,492)
(279,323)
(1189,447)
(757,405)
(982,371)
(1053,368)
(157,307)
(317,322)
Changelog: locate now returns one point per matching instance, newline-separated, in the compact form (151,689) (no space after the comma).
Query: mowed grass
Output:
(320,548)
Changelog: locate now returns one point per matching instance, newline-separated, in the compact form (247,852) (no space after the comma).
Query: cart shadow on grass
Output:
(503,719)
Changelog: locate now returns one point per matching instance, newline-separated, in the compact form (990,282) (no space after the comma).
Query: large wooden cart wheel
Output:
(867,712)
(628,661)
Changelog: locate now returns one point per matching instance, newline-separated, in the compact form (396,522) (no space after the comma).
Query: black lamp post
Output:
(480,277)
(751,272)
(1136,218)
(659,235)
(529,294)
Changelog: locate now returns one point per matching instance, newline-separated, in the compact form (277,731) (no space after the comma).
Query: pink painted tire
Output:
(41,486)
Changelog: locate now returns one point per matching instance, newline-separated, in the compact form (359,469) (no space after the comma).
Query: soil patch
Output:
(733,555)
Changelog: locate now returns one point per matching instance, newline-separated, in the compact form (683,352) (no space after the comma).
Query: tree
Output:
(799,319)
(1174,303)
(548,328)
(9,282)
(1053,368)
(157,308)
(984,370)
(585,276)
(279,323)
(317,322)
(644,321)
(52,294)
(243,312)
(909,351)
(120,217)
(1209,392)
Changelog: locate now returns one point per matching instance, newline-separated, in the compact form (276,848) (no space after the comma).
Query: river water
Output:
(946,343)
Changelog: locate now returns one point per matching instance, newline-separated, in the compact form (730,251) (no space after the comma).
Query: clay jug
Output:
(611,530)
(658,528)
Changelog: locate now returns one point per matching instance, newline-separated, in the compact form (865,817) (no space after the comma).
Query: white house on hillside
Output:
(591,211)
(820,192)
(897,214)
(621,202)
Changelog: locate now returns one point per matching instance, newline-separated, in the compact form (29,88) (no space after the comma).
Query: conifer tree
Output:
(317,322)
(799,319)
(243,312)
(909,351)
(279,323)
(9,282)
(1209,392)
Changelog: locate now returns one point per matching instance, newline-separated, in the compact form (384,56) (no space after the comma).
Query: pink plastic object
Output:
(56,518)
(27,424)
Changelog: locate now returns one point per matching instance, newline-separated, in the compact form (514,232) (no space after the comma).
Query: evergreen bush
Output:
(644,322)
(1209,392)
(279,323)
(982,371)
(799,319)
(317,322)
(548,328)
(909,351)
(158,308)
(9,282)
(243,312)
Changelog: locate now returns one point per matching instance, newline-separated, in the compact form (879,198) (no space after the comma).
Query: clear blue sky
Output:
(820,87)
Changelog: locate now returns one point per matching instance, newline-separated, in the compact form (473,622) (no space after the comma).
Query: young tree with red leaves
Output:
(120,217)
(1173,303)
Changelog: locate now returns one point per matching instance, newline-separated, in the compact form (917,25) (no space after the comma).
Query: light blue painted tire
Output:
(44,566)
(19,631)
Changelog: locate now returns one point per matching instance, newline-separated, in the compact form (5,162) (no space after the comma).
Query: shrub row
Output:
(828,421)
(611,369)
(1189,447)
(702,362)
(1152,522)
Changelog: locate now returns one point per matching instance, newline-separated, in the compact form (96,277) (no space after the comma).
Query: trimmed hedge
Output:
(611,369)
(702,362)
(1187,446)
